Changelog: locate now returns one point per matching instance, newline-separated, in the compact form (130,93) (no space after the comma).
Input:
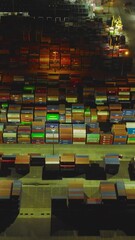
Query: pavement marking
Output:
(35,213)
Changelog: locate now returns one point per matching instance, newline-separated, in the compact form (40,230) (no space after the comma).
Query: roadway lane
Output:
(95,152)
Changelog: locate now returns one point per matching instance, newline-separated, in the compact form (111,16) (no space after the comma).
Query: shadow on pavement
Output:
(7,218)
(96,172)
(92,222)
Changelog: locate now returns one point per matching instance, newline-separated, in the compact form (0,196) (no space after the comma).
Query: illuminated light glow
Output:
(25,123)
(52,117)
(4,105)
(72,1)
(37,135)
(29,87)
(127,53)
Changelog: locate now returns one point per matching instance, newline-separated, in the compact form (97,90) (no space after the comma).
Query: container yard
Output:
(67,89)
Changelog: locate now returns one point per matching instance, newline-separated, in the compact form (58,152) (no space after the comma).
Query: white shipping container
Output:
(130,124)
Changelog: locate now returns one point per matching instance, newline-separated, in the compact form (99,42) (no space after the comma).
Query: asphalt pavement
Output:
(35,220)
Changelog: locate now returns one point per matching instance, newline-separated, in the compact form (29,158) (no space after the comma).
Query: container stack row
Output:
(108,192)
(75,195)
(27,93)
(111,194)
(67,164)
(21,163)
(10,195)
(28,81)
(39,132)
(52,164)
(112,163)
(63,114)
(130,126)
